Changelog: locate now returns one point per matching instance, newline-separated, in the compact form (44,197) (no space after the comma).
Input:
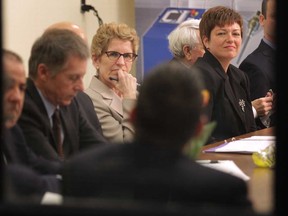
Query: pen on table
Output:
(113,78)
(207,161)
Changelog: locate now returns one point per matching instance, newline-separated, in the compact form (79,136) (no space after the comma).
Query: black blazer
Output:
(26,173)
(230,104)
(140,172)
(34,121)
(20,182)
(16,151)
(260,68)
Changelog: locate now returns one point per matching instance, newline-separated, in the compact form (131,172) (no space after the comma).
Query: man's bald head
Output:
(69,26)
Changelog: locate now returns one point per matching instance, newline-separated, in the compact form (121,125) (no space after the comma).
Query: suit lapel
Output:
(34,95)
(232,97)
(236,99)
(36,98)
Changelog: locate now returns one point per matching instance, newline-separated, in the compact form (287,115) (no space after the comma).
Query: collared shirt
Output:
(269,43)
(49,106)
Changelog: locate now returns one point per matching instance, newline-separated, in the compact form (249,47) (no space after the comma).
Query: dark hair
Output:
(218,16)
(11,55)
(264,8)
(54,48)
(8,55)
(169,106)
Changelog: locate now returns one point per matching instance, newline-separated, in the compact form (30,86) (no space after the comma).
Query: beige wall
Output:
(25,20)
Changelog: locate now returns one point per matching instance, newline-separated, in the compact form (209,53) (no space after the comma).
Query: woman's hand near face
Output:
(127,85)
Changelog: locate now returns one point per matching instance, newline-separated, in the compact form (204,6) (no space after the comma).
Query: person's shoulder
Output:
(16,130)
(202,66)
(250,58)
(78,102)
(234,68)
(83,97)
(98,91)
(99,153)
(255,57)
(96,86)
(31,90)
(32,101)
(94,161)
(238,73)
(207,63)
(200,61)
(23,181)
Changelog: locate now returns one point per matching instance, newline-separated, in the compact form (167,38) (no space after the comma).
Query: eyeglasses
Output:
(114,56)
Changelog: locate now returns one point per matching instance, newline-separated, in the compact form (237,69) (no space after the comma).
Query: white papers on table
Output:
(51,198)
(227,166)
(247,145)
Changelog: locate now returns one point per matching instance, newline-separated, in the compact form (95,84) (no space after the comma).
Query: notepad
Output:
(247,145)
(51,198)
(226,166)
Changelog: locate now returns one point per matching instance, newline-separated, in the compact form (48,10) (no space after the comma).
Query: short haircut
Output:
(218,16)
(8,55)
(109,31)
(264,8)
(169,106)
(54,48)
(184,34)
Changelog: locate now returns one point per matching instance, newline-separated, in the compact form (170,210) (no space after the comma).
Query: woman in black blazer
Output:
(221,31)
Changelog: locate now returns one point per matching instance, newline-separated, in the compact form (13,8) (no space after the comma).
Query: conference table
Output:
(261,182)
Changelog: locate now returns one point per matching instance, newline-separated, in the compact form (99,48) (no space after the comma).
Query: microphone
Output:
(253,23)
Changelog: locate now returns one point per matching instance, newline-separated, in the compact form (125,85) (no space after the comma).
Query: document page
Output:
(227,166)
(246,145)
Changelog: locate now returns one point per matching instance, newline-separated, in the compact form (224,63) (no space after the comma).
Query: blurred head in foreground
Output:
(169,107)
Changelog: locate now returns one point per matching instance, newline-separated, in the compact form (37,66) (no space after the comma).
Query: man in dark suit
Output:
(260,64)
(84,100)
(25,174)
(57,65)
(153,167)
